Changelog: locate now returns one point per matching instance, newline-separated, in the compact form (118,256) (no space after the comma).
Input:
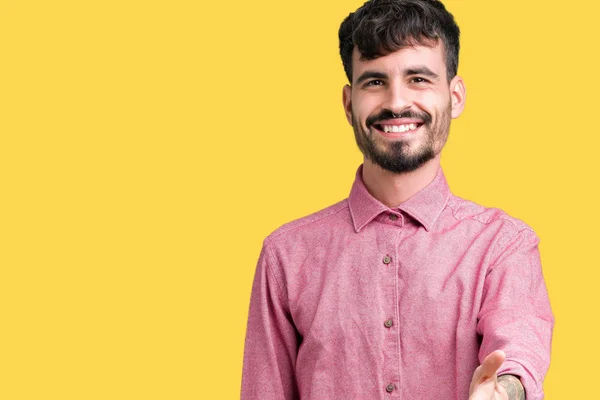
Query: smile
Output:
(397,128)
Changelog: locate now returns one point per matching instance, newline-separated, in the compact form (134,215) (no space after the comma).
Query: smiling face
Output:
(400,106)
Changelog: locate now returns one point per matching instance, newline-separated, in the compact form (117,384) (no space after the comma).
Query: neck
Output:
(392,189)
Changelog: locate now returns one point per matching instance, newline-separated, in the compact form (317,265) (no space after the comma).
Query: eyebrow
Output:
(420,70)
(371,75)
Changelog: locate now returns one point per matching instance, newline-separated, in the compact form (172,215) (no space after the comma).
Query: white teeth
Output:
(398,128)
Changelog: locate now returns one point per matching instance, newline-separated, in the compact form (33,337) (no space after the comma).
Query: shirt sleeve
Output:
(271,338)
(515,315)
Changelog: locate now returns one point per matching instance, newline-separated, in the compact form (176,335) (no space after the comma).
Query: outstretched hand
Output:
(484,385)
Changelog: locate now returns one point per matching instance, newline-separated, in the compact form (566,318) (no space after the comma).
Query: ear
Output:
(347,101)
(458,95)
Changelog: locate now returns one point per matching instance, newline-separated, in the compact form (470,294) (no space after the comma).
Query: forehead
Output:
(400,60)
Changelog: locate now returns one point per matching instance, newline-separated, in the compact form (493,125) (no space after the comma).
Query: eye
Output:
(374,82)
(418,79)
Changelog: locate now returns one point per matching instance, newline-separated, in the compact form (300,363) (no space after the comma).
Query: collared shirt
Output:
(360,301)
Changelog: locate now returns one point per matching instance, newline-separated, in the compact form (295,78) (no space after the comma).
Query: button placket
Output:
(389,269)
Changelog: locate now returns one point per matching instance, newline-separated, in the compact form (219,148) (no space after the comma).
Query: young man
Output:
(402,290)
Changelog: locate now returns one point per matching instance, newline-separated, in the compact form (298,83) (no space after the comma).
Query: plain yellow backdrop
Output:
(148,147)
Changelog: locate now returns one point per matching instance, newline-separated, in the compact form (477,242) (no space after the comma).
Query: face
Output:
(400,106)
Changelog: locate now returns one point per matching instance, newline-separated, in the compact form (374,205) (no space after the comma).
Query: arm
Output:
(512,385)
(271,338)
(515,313)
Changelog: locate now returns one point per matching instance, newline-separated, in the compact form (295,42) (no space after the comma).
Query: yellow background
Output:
(148,147)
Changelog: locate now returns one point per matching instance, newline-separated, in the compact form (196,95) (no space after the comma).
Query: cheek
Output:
(432,103)
(427,98)
(365,105)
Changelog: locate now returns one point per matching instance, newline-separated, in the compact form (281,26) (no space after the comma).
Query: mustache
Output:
(388,114)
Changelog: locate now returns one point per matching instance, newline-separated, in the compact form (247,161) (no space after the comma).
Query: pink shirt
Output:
(360,301)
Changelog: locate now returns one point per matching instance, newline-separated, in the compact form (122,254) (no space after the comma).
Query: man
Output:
(403,290)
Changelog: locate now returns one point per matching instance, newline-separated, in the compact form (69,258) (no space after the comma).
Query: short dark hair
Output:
(381,27)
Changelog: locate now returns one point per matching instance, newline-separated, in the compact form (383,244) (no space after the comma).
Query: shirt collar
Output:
(424,206)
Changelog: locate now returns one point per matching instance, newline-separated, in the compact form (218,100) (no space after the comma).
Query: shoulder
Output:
(327,219)
(489,218)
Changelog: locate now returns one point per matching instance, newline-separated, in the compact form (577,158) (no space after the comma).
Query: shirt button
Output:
(389,388)
(388,323)
(387,259)
(393,217)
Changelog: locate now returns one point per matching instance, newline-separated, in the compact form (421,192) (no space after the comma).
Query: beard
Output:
(399,155)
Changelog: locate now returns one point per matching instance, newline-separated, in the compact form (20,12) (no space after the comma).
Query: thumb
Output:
(491,363)
(487,369)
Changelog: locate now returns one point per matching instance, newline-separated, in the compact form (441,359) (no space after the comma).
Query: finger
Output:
(490,365)
(487,369)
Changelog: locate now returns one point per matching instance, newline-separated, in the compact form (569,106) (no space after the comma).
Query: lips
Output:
(399,126)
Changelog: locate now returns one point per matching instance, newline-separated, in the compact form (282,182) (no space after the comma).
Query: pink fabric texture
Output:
(360,301)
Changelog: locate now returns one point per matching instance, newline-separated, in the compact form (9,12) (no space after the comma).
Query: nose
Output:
(397,98)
